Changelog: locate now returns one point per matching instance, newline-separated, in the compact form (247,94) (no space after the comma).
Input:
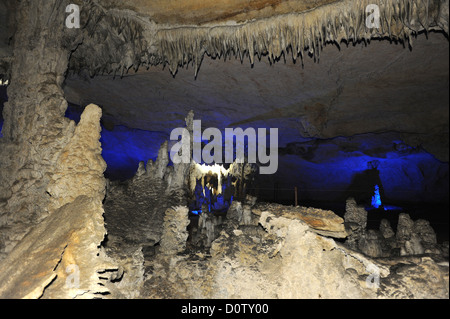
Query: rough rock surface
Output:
(80,166)
(425,231)
(60,257)
(255,262)
(43,187)
(34,130)
(370,243)
(386,229)
(175,234)
(356,221)
(412,237)
(324,222)
(135,208)
(421,278)
(283,257)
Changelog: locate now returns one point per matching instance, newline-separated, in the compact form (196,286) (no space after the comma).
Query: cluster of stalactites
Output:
(116,40)
(297,33)
(207,173)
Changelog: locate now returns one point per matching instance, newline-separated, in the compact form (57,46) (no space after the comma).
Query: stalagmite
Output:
(174,235)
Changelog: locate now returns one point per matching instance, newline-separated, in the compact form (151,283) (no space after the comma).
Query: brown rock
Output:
(324,222)
(70,237)
(79,168)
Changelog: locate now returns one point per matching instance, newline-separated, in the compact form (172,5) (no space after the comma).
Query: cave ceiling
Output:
(308,67)
(354,89)
(201,12)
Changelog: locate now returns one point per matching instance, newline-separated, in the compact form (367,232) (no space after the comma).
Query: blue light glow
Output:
(328,169)
(123,149)
(376,199)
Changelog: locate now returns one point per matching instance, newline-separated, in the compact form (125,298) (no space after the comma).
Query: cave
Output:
(199,149)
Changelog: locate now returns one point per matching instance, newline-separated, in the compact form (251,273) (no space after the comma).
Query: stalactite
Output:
(344,20)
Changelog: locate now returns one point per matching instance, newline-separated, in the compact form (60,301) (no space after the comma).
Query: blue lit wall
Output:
(124,148)
(323,170)
(333,173)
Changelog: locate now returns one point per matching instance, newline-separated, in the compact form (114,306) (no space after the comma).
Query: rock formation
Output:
(61,256)
(174,236)
(79,169)
(323,222)
(356,219)
(284,257)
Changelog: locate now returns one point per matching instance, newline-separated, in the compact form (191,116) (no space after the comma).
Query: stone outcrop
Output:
(370,243)
(35,130)
(426,234)
(324,222)
(80,166)
(135,208)
(386,229)
(61,256)
(412,237)
(418,278)
(175,234)
(284,257)
(54,243)
(356,222)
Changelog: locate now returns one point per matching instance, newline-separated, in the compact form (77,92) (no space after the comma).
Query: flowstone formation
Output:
(61,256)
(35,130)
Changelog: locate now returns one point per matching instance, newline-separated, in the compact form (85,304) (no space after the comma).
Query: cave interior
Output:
(357,117)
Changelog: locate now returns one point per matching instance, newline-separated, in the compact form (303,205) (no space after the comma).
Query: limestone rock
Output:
(422,278)
(134,209)
(370,243)
(404,228)
(324,222)
(285,258)
(79,169)
(356,221)
(242,214)
(235,211)
(60,257)
(412,246)
(386,229)
(425,231)
(34,130)
(175,234)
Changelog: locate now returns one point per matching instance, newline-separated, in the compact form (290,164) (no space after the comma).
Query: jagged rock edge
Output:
(297,32)
(142,42)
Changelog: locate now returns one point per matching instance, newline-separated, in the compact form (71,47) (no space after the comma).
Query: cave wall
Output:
(35,129)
